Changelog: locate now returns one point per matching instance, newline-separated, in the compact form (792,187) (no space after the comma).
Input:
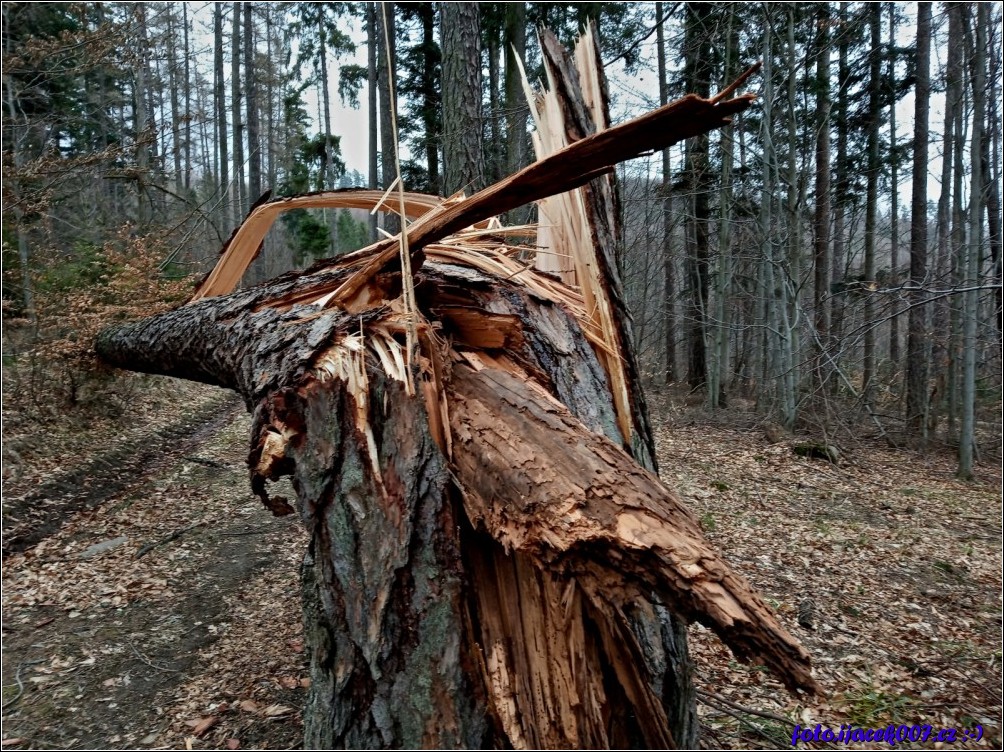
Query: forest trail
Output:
(137,580)
(197,643)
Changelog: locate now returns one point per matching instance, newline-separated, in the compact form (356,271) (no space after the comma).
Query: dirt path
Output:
(125,594)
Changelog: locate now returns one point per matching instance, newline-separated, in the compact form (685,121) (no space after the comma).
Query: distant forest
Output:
(772,262)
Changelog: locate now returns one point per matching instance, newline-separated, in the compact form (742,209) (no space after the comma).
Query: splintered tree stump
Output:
(493,561)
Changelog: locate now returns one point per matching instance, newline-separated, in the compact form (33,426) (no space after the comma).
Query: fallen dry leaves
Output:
(899,562)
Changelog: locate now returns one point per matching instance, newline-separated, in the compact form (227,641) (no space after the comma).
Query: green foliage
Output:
(311,237)
(353,234)
(708,523)
(87,265)
(872,707)
(350,81)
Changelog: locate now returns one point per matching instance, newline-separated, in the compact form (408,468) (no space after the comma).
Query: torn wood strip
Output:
(245,243)
(586,508)
(570,168)
(571,109)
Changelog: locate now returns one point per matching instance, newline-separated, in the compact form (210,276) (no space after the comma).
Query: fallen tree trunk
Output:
(492,561)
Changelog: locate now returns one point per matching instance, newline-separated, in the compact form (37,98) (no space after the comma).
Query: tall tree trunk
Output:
(494,152)
(515,106)
(797,188)
(992,174)
(697,72)
(822,214)
(669,273)
(946,258)
(971,280)
(251,106)
(386,67)
(463,154)
(240,190)
(958,234)
(188,99)
(916,350)
(220,105)
(270,103)
(372,109)
(719,367)
(173,86)
(141,120)
(871,200)
(328,181)
(894,198)
(430,94)
(841,184)
(16,144)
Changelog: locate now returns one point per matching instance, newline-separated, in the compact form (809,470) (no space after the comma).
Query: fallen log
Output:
(493,561)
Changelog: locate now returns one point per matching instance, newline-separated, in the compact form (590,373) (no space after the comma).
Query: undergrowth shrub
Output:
(50,365)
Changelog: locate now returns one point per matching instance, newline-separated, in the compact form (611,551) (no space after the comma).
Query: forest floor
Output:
(150,601)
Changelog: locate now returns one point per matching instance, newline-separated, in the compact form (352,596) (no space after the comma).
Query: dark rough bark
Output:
(871,202)
(698,73)
(386,67)
(821,214)
(514,48)
(463,154)
(219,104)
(916,347)
(669,273)
(251,104)
(383,583)
(241,203)
(431,106)
(894,198)
(372,111)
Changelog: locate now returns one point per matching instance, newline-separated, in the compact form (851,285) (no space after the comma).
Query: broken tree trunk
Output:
(491,562)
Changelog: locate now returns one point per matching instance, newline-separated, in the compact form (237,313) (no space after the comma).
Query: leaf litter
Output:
(894,563)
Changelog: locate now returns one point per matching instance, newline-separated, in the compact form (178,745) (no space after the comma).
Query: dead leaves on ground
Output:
(902,564)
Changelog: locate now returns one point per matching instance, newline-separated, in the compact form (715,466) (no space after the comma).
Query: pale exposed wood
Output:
(244,245)
(584,508)
(567,220)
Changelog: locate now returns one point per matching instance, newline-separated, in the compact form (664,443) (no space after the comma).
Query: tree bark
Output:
(388,101)
(140,121)
(431,104)
(894,198)
(173,84)
(219,98)
(822,214)
(515,105)
(463,154)
(373,110)
(240,190)
(698,77)
(971,278)
(419,544)
(916,349)
(871,199)
(251,106)
(669,272)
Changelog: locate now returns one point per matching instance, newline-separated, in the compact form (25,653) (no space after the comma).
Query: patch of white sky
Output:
(631,93)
